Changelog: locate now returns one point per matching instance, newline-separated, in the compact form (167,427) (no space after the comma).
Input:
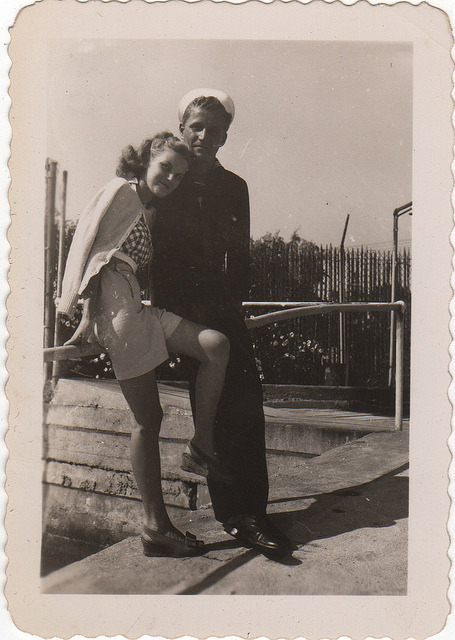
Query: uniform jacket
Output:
(102,228)
(201,245)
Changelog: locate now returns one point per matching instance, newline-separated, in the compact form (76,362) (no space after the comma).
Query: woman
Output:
(112,241)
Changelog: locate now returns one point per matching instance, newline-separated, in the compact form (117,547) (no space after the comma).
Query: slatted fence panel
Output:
(298,351)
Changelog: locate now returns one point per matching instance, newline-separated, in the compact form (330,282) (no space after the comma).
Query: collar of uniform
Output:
(217,167)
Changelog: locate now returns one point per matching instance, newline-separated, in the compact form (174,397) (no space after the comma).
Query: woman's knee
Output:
(148,422)
(216,346)
(141,394)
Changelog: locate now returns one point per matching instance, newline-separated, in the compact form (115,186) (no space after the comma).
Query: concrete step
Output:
(295,392)
(103,435)
(181,489)
(97,506)
(336,507)
(325,392)
(313,404)
(177,422)
(107,394)
(88,480)
(100,406)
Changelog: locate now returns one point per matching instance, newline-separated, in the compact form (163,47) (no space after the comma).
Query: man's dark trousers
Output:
(239,426)
(194,237)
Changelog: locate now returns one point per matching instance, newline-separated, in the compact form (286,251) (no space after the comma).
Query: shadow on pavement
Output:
(379,503)
(227,568)
(222,571)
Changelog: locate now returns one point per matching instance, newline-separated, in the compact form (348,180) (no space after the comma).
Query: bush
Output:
(298,351)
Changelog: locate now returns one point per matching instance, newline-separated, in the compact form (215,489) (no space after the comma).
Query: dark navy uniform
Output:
(200,271)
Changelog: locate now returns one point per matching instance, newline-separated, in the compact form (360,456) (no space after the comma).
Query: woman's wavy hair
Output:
(133,163)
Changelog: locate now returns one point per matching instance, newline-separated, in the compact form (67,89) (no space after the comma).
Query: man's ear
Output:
(224,139)
(181,127)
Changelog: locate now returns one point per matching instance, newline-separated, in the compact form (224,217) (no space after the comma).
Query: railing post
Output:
(393,279)
(399,350)
(407,208)
(344,356)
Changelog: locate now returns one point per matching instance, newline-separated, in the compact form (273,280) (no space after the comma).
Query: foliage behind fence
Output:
(299,351)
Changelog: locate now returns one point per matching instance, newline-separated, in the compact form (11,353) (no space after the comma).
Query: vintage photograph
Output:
(229,250)
(227,265)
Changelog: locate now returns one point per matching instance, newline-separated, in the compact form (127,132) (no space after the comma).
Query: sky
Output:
(322,129)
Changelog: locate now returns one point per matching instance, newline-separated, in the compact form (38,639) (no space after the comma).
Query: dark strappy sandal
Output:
(172,544)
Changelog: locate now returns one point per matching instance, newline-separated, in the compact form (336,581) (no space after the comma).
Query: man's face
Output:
(204,133)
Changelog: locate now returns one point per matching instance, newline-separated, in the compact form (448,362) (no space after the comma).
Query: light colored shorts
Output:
(133,334)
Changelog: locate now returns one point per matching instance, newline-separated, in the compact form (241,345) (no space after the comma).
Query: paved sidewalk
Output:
(346,509)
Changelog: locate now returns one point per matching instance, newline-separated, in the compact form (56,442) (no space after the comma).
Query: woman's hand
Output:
(84,331)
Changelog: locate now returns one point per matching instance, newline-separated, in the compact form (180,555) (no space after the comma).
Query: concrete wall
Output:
(89,489)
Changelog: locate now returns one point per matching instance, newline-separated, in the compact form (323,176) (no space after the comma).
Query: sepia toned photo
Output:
(235,263)
(329,378)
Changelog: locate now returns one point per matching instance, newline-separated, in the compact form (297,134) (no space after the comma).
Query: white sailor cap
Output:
(225,100)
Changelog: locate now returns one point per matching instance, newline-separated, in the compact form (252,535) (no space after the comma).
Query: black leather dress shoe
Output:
(259,533)
(280,535)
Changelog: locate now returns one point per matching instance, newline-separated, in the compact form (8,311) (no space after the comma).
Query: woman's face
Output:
(165,172)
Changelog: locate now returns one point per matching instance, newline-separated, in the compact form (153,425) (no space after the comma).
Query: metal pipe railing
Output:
(296,310)
(300,310)
(314,308)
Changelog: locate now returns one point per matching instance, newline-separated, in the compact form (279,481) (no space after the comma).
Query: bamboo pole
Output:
(49,259)
(60,268)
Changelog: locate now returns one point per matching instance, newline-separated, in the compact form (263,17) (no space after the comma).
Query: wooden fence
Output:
(307,351)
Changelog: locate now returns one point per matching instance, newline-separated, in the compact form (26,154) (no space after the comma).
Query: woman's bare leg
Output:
(141,394)
(211,348)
